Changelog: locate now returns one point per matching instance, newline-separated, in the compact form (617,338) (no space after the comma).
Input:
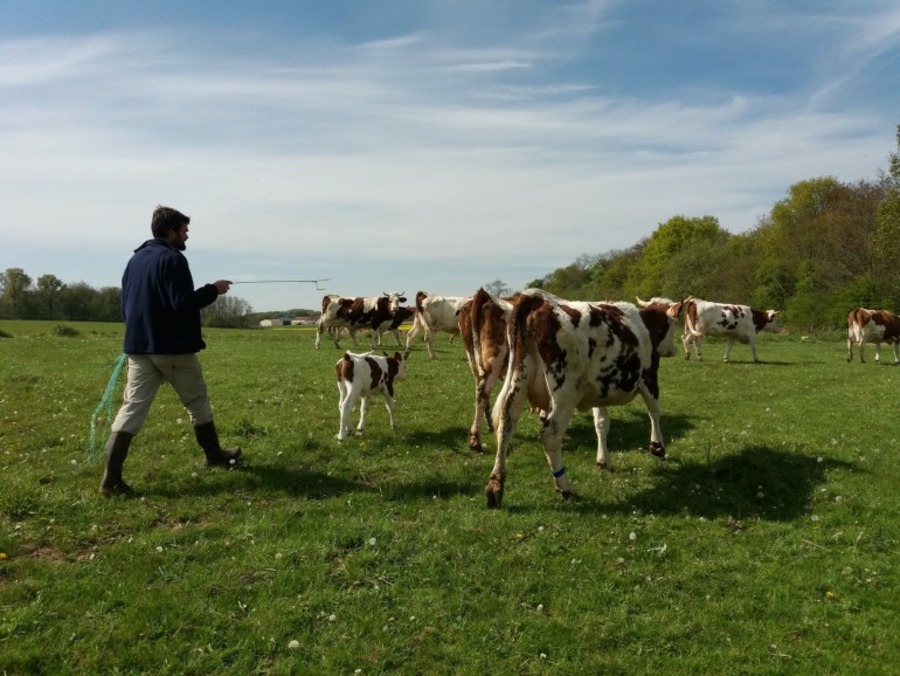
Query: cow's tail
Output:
(522,347)
(481,302)
(854,330)
(420,296)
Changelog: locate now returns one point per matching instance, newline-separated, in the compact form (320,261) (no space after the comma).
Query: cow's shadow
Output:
(757,482)
(626,432)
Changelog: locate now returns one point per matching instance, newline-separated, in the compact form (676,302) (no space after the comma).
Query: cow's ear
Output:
(674,310)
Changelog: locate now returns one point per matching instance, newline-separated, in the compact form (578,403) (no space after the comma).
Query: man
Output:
(161,309)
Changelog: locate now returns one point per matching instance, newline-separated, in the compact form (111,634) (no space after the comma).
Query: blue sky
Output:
(432,144)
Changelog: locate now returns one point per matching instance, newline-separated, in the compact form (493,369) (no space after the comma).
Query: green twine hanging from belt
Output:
(105,405)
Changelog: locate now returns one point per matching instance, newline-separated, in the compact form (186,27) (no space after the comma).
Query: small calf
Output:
(359,375)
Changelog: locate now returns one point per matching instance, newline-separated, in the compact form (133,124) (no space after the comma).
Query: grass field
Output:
(765,543)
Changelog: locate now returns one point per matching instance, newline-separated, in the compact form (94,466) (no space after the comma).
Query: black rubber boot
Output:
(116,452)
(216,456)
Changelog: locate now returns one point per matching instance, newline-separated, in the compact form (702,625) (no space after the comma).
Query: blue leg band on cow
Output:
(558,473)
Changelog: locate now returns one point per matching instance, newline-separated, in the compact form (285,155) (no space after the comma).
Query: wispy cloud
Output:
(484,158)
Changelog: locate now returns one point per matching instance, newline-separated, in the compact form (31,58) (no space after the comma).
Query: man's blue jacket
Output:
(160,306)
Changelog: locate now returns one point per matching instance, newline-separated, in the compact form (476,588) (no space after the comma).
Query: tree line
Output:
(51,298)
(826,247)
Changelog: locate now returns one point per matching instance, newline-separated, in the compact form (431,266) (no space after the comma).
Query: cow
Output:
(482,326)
(568,355)
(734,322)
(872,326)
(433,314)
(362,375)
(402,314)
(373,312)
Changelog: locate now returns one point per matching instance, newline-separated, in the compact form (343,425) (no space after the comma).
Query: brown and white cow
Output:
(733,322)
(433,314)
(569,355)
(403,313)
(872,326)
(371,312)
(482,326)
(361,375)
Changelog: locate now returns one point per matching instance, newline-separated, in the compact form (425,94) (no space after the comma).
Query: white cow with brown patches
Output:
(733,322)
(567,355)
(872,326)
(361,375)
(433,314)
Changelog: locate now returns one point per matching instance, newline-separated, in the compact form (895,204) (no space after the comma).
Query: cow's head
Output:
(397,364)
(656,300)
(766,321)
(394,300)
(662,324)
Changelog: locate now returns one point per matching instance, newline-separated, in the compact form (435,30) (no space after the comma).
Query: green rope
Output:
(105,404)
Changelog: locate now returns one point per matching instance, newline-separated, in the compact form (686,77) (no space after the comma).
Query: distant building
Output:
(278,321)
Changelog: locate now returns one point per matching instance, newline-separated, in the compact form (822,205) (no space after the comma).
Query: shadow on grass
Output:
(758,482)
(625,433)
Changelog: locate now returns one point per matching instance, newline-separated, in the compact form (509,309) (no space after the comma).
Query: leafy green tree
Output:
(226,312)
(498,287)
(48,291)
(670,239)
(886,241)
(15,284)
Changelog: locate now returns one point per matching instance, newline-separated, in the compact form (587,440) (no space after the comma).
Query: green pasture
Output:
(765,543)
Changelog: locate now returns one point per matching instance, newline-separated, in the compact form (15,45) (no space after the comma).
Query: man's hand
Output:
(222,286)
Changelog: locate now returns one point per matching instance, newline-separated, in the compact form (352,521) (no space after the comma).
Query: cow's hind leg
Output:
(363,411)
(345,406)
(509,408)
(601,426)
(657,447)
(551,437)
(389,404)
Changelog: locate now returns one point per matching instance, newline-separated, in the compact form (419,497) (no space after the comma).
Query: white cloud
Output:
(414,161)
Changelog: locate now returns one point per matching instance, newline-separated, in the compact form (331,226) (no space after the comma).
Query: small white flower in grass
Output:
(372,542)
(159,549)
(73,462)
(838,498)
(632,536)
(820,459)
(293,644)
(540,607)
(332,618)
(543,656)
(814,517)
(179,420)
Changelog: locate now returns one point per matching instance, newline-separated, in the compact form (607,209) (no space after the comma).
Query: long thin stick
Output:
(287,281)
(282,281)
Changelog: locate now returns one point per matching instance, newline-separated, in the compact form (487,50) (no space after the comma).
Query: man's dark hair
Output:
(165,219)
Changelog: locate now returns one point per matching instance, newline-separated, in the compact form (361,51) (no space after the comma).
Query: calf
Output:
(373,312)
(575,355)
(361,375)
(482,326)
(872,326)
(433,314)
(734,322)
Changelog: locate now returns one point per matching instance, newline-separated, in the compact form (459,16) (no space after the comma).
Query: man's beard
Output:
(181,246)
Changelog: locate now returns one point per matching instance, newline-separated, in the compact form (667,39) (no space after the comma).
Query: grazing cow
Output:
(482,325)
(734,322)
(872,326)
(574,355)
(361,375)
(433,314)
(373,312)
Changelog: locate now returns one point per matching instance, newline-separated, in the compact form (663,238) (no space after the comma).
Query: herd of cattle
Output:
(556,355)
